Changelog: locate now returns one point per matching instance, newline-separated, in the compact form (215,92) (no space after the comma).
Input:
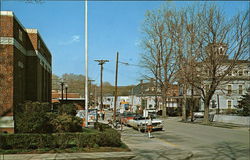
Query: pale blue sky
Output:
(113,26)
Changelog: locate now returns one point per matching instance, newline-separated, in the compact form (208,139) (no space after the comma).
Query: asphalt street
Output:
(204,142)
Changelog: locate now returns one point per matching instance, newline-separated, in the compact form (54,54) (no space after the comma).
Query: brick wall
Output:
(23,76)
(6,67)
(6,78)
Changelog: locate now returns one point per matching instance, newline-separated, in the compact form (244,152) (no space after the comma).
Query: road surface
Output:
(204,142)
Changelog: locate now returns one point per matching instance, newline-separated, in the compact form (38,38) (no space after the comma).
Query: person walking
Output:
(149,127)
(103,114)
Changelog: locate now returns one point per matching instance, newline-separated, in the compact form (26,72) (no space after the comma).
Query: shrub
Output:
(107,138)
(36,117)
(243,109)
(173,111)
(88,140)
(110,137)
(69,109)
(25,141)
(100,126)
(30,117)
(66,123)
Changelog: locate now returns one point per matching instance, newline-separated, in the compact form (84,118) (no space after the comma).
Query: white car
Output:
(140,123)
(198,114)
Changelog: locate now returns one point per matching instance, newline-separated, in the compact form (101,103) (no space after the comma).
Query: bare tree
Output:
(158,43)
(197,45)
(221,43)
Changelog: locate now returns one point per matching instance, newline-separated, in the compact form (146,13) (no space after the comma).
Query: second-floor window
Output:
(39,44)
(240,89)
(240,73)
(20,34)
(229,104)
(229,89)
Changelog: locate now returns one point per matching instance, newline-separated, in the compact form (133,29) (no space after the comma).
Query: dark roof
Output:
(138,89)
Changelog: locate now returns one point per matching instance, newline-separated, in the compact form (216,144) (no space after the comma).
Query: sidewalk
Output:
(71,156)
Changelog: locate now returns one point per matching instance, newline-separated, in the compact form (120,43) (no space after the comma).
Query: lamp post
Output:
(66,89)
(62,84)
(86,61)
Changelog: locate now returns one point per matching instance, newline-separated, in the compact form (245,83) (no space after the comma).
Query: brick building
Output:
(146,94)
(25,66)
(57,95)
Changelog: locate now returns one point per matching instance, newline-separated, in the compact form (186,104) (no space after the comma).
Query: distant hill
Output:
(76,84)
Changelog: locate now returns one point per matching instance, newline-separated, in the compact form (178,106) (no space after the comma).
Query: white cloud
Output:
(73,39)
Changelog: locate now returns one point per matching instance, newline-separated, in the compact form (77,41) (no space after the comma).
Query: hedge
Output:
(107,138)
(101,126)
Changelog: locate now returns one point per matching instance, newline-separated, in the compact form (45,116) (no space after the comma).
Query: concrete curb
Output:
(71,156)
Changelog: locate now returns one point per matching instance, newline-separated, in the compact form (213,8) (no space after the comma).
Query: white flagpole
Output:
(86,61)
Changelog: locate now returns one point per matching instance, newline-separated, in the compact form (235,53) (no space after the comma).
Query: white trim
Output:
(11,14)
(30,30)
(6,13)
(12,41)
(6,122)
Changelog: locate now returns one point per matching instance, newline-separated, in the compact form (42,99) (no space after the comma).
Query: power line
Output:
(129,64)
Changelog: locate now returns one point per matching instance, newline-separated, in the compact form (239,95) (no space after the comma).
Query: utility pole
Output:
(141,92)
(101,62)
(132,97)
(116,77)
(95,97)
(218,104)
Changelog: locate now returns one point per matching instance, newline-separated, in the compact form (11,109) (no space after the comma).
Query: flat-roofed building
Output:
(25,66)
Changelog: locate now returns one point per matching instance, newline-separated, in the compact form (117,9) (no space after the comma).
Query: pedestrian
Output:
(149,127)
(103,114)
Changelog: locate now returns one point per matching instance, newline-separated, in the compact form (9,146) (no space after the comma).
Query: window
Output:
(39,44)
(246,72)
(235,72)
(229,89)
(240,73)
(229,104)
(240,89)
(220,50)
(20,35)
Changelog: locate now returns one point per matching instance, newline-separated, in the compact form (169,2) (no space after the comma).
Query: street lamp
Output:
(66,89)
(62,84)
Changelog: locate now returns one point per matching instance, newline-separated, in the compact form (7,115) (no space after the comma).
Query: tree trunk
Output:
(206,111)
(184,115)
(164,107)
(184,104)
(192,105)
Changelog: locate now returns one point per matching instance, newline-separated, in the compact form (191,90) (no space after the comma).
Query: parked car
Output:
(126,116)
(140,123)
(198,114)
